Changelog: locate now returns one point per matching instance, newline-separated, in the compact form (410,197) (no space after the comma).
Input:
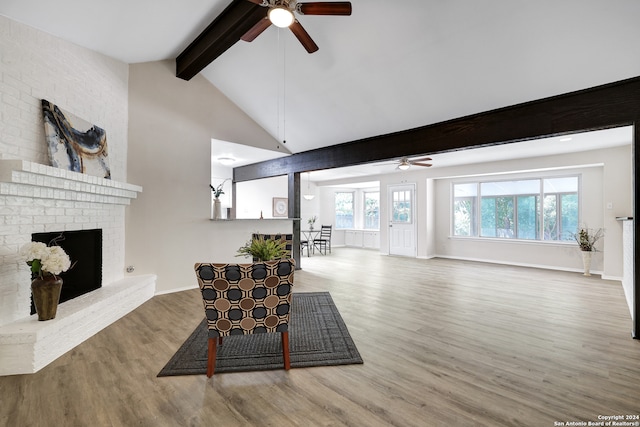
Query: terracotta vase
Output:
(46,295)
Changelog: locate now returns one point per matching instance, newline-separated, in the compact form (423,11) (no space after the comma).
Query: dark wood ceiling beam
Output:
(220,35)
(604,106)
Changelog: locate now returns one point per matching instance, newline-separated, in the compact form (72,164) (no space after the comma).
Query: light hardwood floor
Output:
(444,343)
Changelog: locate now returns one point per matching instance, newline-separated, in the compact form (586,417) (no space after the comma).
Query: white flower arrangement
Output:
(45,260)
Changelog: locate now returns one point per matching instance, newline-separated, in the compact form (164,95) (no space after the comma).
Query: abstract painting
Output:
(75,144)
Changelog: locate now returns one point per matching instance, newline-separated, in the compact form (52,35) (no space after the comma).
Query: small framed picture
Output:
(280,207)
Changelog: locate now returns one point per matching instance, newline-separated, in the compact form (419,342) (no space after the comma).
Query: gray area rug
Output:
(317,337)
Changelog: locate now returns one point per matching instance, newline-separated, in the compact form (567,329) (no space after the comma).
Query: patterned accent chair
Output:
(243,299)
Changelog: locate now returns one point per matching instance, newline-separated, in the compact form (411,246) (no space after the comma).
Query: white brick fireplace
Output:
(35,198)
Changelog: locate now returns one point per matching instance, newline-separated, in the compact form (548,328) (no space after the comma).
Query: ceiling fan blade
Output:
(304,37)
(428,165)
(257,2)
(422,159)
(256,30)
(325,8)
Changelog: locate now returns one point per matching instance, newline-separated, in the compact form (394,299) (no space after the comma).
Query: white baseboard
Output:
(521,264)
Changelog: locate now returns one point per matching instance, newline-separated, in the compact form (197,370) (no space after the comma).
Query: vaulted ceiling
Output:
(392,65)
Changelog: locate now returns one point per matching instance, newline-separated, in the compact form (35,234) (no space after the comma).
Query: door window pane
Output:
(402,206)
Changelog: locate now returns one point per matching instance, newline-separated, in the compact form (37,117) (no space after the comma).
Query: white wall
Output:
(309,208)
(34,66)
(255,198)
(606,177)
(609,182)
(549,255)
(171,124)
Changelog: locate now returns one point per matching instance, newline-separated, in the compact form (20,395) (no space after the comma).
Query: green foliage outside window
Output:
(344,209)
(372,210)
(532,209)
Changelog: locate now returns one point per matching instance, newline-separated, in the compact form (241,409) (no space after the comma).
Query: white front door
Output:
(402,221)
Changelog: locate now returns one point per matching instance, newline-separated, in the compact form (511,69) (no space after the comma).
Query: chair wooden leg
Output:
(211,357)
(285,350)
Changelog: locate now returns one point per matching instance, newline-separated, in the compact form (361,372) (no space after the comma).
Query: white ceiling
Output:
(391,66)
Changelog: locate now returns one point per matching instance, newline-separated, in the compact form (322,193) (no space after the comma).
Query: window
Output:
(344,210)
(560,208)
(372,210)
(529,209)
(464,209)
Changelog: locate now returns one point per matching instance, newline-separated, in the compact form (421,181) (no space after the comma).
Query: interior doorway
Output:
(402,220)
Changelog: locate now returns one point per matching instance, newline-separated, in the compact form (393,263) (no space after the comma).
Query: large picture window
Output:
(529,209)
(344,210)
(372,210)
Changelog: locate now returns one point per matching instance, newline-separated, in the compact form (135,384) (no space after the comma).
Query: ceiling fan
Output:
(405,163)
(282,14)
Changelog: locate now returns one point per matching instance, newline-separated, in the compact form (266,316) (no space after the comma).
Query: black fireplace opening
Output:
(84,247)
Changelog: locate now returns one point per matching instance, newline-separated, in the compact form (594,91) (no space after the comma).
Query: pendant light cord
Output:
(281,83)
(278,87)
(284,92)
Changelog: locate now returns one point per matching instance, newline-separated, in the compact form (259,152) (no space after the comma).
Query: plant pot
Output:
(217,209)
(46,295)
(586,262)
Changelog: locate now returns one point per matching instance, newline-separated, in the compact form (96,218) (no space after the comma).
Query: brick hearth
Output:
(37,198)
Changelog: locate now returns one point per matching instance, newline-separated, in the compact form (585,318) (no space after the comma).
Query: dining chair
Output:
(304,244)
(323,241)
(245,299)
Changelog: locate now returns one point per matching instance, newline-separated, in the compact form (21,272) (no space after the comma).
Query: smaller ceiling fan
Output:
(282,14)
(405,163)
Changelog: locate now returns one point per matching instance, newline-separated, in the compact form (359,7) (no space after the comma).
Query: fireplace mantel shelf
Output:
(46,182)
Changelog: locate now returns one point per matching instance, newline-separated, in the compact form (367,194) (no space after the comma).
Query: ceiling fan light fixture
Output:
(404,165)
(281,17)
(226,160)
(309,196)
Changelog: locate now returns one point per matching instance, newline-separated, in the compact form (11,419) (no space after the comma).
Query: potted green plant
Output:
(586,239)
(262,249)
